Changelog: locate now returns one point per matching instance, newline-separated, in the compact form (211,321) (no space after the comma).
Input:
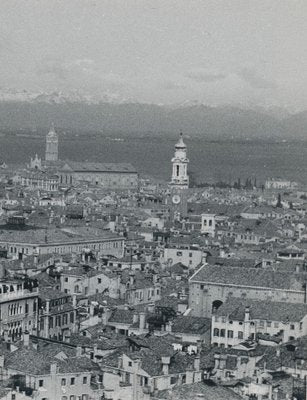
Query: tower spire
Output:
(180,162)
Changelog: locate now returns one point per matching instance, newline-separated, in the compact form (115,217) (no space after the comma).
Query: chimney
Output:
(135,317)
(26,338)
(92,309)
(105,316)
(142,321)
(217,361)
(67,337)
(53,368)
(168,326)
(35,259)
(79,351)
(197,363)
(165,364)
(247,314)
(6,335)
(223,359)
(131,278)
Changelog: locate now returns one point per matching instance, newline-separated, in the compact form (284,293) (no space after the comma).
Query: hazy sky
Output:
(161,51)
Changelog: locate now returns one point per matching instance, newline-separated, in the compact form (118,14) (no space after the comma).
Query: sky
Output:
(218,52)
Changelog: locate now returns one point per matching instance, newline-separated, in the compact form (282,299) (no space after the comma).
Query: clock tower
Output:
(179,184)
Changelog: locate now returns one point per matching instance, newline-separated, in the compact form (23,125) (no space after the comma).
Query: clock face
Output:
(176,199)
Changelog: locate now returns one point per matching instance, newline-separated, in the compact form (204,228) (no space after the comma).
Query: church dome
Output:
(180,144)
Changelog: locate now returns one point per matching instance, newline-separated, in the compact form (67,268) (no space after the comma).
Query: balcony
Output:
(18,294)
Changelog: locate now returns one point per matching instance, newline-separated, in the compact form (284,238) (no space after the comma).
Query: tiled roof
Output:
(261,309)
(122,316)
(255,277)
(101,167)
(54,235)
(193,325)
(197,390)
(33,362)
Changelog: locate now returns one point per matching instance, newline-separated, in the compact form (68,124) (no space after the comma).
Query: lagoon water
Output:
(210,160)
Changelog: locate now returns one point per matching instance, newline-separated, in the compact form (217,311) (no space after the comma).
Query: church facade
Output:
(106,175)
(69,173)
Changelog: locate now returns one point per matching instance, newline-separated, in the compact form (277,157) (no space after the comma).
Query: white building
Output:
(208,224)
(186,255)
(240,319)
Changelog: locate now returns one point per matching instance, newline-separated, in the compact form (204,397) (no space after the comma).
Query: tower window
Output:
(177,170)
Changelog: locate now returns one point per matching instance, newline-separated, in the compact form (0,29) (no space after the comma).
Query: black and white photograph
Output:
(153,200)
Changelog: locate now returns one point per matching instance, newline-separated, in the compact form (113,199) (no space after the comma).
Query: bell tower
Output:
(179,184)
(52,145)
(180,162)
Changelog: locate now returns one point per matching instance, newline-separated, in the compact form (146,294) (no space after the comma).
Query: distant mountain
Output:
(22,110)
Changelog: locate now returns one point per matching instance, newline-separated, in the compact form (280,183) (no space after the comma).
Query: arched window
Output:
(216,332)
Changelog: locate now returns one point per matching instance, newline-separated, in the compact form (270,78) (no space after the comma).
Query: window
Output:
(222,333)
(276,325)
(261,323)
(130,363)
(173,380)
(41,383)
(72,381)
(66,279)
(190,254)
(179,253)
(72,397)
(301,325)
(13,396)
(230,334)
(99,280)
(63,382)
(292,327)
(84,380)
(184,378)
(216,332)
(240,335)
(269,324)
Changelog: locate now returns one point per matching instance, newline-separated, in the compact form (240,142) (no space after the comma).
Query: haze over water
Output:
(210,161)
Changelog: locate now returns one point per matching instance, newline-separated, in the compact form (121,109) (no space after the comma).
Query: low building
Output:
(54,372)
(238,320)
(40,180)
(110,176)
(187,255)
(31,240)
(210,286)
